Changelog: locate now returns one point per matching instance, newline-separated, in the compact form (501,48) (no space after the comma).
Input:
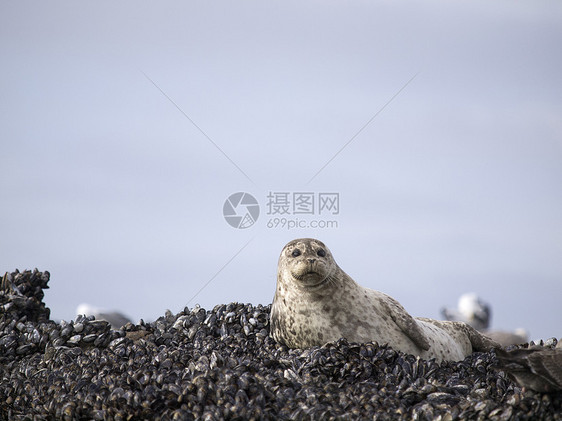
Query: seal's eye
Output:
(321,253)
(296,252)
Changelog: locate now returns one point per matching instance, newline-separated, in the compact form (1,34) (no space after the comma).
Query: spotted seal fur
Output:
(316,302)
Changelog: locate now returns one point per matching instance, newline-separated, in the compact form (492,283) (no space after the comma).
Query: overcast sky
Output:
(125,127)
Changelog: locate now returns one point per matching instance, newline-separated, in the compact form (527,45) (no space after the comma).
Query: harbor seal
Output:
(316,302)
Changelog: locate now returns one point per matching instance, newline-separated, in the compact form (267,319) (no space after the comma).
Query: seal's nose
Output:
(311,260)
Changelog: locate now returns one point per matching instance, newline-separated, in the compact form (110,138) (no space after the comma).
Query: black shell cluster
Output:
(222,364)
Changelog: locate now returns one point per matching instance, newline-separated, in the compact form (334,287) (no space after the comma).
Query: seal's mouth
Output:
(310,279)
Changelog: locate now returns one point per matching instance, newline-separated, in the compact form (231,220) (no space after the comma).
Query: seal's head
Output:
(307,264)
(307,278)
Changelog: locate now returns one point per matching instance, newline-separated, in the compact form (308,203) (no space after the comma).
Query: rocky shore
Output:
(222,364)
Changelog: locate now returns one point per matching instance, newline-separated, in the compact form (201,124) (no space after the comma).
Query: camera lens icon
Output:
(241,210)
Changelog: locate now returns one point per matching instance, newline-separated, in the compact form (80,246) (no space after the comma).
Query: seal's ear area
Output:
(300,240)
(305,242)
(405,322)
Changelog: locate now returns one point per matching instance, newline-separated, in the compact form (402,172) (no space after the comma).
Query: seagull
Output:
(471,310)
(538,368)
(115,319)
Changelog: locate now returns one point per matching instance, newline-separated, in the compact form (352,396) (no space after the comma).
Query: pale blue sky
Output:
(453,187)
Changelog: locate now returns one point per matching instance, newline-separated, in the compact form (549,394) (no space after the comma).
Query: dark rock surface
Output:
(222,364)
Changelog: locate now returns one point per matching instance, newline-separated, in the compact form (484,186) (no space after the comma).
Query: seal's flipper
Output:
(478,341)
(405,322)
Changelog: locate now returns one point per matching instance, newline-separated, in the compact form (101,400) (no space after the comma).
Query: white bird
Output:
(471,310)
(115,318)
(478,314)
